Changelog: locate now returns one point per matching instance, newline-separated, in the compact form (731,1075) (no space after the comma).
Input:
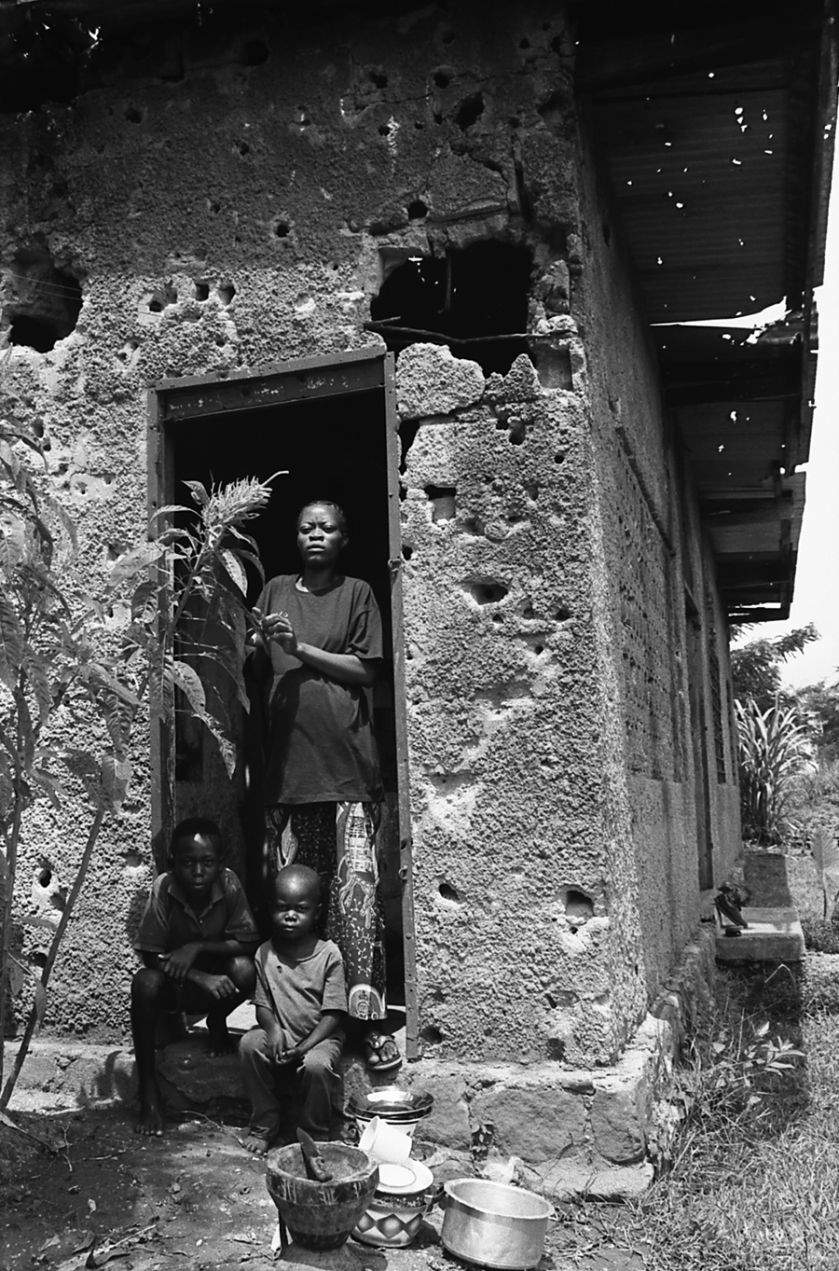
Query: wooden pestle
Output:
(316,1168)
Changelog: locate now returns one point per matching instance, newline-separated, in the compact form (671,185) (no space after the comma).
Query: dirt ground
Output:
(99,1193)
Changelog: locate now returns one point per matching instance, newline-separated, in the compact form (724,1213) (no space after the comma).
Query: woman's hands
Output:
(276,627)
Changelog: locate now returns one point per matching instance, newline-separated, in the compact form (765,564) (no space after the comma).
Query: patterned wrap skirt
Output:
(338,841)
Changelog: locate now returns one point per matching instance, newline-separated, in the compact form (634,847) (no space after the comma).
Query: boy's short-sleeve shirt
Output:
(169,920)
(297,991)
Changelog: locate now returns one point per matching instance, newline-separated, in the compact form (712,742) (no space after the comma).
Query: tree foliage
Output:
(756,667)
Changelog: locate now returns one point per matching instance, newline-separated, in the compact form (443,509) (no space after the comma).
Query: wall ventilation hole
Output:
(449,894)
(443,499)
(282,229)
(487,591)
(416,210)
(518,431)
(226,293)
(254,53)
(202,291)
(431,1035)
(43,303)
(469,111)
(133,115)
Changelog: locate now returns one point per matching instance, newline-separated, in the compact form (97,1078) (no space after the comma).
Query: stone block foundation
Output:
(562,1132)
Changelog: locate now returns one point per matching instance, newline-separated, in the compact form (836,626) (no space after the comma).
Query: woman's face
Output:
(319,535)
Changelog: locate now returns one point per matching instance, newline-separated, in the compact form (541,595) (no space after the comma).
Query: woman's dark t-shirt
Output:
(321,747)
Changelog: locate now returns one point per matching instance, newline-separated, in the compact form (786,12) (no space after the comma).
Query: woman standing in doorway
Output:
(317,655)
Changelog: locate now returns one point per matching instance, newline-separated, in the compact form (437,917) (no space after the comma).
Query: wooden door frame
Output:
(175,400)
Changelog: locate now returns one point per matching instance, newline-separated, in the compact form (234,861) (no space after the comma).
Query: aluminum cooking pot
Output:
(493,1224)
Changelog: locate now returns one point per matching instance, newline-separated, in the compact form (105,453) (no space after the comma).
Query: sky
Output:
(816,595)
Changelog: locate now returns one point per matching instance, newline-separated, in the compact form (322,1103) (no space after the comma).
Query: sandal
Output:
(381,1052)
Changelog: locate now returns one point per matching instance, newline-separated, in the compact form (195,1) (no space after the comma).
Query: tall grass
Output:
(754,1180)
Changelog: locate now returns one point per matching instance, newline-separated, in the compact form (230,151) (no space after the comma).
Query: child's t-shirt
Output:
(169,921)
(297,991)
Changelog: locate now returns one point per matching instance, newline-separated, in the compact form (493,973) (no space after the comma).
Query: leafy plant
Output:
(820,936)
(190,614)
(773,747)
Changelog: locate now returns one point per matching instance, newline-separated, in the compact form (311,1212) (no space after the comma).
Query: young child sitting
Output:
(300,1002)
(197,938)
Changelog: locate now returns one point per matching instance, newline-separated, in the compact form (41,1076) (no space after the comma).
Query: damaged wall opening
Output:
(41,304)
(472,298)
(337,444)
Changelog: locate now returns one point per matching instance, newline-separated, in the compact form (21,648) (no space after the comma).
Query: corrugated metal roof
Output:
(714,128)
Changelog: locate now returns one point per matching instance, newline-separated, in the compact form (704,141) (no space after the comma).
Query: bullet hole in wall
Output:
(431,1035)
(163,297)
(469,111)
(43,302)
(44,876)
(282,229)
(407,552)
(579,907)
(475,297)
(449,893)
(202,291)
(443,499)
(416,210)
(38,960)
(487,591)
(226,293)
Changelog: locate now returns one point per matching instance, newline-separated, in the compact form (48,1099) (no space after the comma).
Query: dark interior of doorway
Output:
(332,448)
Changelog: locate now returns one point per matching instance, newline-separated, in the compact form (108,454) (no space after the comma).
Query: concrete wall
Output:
(230,200)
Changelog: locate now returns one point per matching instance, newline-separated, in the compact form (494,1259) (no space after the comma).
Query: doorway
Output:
(332,427)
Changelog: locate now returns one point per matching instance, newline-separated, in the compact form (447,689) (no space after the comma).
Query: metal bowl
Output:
(494,1225)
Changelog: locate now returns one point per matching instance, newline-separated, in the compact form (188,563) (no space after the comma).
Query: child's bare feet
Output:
(255,1142)
(151,1119)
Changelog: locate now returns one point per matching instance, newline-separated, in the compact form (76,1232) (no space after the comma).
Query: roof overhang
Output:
(715,132)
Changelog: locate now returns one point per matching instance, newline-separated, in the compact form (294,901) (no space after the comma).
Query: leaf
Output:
(116,776)
(11,642)
(136,560)
(198,492)
(229,562)
(188,681)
